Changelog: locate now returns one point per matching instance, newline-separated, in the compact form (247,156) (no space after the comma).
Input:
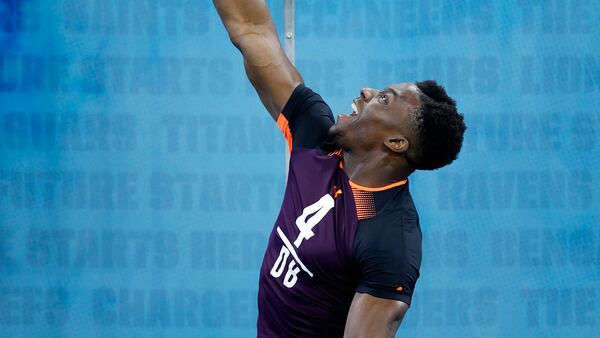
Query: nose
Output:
(366,94)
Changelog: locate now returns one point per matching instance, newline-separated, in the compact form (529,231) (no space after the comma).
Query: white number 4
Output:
(316,212)
(318,209)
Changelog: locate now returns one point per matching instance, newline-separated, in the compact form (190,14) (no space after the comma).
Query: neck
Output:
(375,169)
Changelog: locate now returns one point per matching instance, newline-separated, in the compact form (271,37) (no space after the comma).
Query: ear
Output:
(397,144)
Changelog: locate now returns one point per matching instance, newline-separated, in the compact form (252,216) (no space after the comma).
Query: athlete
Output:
(345,251)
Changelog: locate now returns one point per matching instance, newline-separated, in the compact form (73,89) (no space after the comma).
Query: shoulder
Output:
(303,100)
(305,119)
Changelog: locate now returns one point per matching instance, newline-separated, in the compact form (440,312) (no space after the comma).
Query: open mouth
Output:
(354,110)
(350,116)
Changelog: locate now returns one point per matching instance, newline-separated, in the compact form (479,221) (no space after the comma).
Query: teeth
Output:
(354,109)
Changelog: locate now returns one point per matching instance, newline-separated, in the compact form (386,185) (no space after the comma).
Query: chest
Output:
(313,235)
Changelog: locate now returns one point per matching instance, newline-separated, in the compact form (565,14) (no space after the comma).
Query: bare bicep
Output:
(268,68)
(371,316)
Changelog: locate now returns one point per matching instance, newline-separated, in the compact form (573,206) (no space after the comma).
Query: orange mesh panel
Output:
(365,204)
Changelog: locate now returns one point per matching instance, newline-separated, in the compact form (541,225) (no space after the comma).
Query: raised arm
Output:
(252,31)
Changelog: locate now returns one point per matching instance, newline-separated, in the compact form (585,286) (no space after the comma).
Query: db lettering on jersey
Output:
(310,217)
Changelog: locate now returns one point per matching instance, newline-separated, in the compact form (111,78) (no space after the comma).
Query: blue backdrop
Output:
(140,176)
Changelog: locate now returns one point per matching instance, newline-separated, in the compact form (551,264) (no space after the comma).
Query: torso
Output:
(307,286)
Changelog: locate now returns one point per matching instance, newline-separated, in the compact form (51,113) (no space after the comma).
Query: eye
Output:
(382,98)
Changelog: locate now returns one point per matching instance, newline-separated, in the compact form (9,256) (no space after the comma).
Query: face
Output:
(380,117)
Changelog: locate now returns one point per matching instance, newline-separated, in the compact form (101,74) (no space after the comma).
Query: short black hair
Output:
(440,127)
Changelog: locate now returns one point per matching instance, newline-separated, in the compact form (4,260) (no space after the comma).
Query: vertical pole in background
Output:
(290,51)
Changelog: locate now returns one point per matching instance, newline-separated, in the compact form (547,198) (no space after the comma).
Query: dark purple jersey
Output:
(332,237)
